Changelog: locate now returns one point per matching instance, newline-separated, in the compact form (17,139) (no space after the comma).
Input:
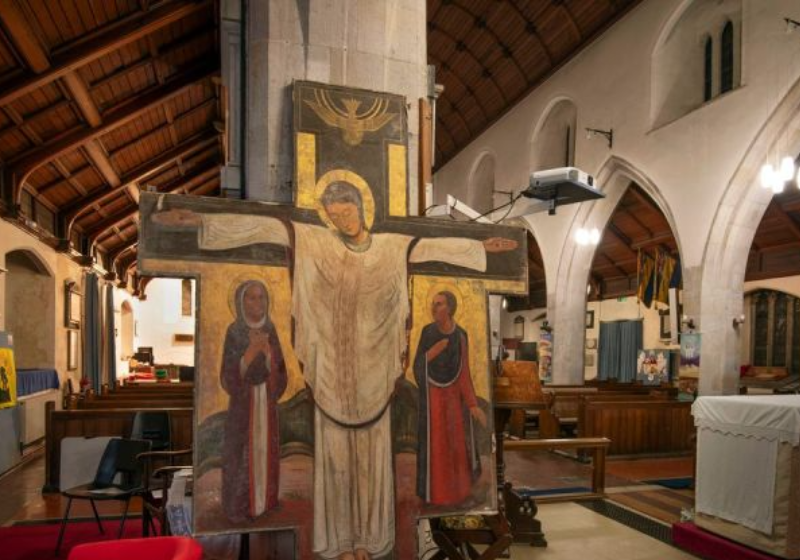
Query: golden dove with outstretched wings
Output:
(353,124)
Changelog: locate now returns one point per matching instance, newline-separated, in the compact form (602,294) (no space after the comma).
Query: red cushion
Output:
(156,548)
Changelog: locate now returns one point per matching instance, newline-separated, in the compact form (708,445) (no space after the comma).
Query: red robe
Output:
(240,481)
(448,464)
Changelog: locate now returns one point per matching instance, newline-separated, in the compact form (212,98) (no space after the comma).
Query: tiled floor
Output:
(571,530)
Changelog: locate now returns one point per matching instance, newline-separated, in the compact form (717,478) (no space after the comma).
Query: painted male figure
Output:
(350,304)
(447,463)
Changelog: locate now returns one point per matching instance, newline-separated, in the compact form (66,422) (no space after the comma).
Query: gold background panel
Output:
(398,183)
(215,316)
(471,316)
(306,170)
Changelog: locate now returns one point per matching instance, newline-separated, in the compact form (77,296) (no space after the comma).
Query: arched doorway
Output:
(29,305)
(126,331)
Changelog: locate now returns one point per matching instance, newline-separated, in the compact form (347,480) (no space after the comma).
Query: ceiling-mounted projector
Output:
(562,185)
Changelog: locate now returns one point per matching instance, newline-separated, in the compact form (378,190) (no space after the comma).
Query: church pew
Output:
(640,427)
(565,413)
(92,423)
(106,404)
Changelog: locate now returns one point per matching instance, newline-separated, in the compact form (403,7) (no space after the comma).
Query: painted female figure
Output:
(254,376)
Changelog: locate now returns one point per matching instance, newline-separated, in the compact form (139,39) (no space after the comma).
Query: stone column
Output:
(371,44)
(231,54)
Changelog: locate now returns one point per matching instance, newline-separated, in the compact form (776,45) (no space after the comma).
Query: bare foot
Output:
(362,554)
(347,556)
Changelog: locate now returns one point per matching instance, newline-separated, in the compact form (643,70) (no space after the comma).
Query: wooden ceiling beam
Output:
(36,57)
(23,38)
(610,263)
(197,142)
(653,240)
(103,42)
(208,172)
(160,129)
(785,219)
(121,116)
(165,52)
(121,250)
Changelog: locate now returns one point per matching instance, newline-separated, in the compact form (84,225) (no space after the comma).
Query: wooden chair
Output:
(158,469)
(119,457)
(493,530)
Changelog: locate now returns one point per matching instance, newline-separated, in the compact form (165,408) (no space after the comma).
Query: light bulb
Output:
(767,173)
(594,236)
(582,237)
(778,184)
(787,168)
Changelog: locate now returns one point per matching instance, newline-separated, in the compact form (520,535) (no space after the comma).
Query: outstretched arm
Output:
(459,251)
(225,231)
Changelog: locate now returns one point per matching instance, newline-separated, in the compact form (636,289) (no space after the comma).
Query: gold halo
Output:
(238,281)
(343,175)
(447,287)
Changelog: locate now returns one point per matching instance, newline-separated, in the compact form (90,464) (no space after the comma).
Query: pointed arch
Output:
(719,295)
(568,302)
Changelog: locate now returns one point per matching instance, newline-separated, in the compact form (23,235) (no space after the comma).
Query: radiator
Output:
(31,415)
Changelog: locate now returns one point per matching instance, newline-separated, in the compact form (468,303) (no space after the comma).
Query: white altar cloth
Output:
(737,450)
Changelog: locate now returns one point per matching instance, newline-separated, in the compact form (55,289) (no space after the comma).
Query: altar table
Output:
(748,470)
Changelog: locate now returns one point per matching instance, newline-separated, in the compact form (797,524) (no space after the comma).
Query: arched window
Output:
(726,59)
(776,330)
(708,71)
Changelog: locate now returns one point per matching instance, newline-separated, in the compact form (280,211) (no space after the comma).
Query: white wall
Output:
(158,319)
(691,166)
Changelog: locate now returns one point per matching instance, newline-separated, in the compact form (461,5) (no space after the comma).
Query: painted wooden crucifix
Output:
(342,383)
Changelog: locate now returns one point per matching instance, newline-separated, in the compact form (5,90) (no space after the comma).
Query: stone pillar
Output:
(371,44)
(231,54)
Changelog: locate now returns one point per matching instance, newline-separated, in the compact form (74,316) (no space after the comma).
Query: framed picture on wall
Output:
(72,306)
(72,350)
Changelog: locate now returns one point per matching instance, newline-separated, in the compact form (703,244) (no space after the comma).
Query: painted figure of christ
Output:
(350,305)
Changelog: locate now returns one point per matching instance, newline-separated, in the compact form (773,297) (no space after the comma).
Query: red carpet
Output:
(695,540)
(38,542)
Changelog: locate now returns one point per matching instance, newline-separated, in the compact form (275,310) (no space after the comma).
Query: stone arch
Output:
(719,296)
(567,304)
(553,138)
(481,184)
(30,297)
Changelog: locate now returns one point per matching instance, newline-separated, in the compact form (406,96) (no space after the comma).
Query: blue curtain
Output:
(110,340)
(619,343)
(92,332)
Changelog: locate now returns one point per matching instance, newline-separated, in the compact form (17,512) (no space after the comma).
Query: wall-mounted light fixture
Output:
(738,321)
(546,326)
(519,327)
(607,134)
(687,322)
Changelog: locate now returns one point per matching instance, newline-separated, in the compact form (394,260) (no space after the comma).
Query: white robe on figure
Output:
(350,307)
